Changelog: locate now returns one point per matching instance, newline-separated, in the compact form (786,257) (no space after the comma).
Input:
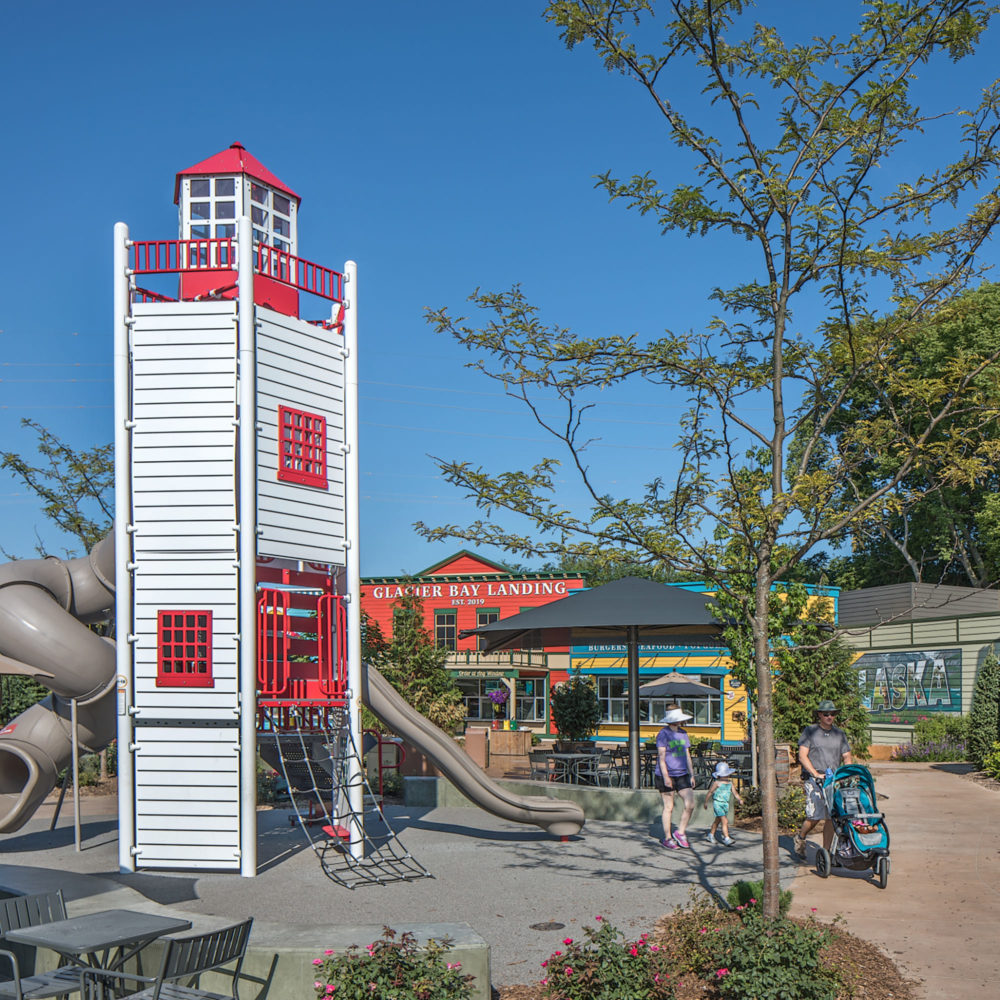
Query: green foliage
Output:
(607,966)
(791,806)
(576,709)
(984,715)
(391,968)
(415,666)
(76,487)
(689,945)
(771,960)
(991,761)
(18,694)
(270,785)
(936,738)
(743,895)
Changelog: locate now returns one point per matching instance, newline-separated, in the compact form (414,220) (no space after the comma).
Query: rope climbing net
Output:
(314,751)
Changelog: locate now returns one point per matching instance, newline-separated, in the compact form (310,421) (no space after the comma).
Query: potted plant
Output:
(576,709)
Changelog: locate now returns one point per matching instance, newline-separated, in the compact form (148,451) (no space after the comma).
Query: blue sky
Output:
(441,145)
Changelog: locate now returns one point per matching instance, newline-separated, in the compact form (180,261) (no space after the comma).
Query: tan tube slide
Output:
(557,816)
(44,607)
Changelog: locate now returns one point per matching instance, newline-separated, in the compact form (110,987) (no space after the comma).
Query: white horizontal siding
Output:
(187,796)
(300,366)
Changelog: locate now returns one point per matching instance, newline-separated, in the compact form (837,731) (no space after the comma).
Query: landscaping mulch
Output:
(867,973)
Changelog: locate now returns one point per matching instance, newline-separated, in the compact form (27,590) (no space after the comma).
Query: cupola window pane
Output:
(282,226)
(225,209)
(258,193)
(282,205)
(200,210)
(225,187)
(258,215)
(200,189)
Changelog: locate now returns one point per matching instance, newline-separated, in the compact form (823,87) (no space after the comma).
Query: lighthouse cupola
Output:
(211,196)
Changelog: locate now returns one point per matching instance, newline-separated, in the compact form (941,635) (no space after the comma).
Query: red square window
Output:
(184,649)
(301,447)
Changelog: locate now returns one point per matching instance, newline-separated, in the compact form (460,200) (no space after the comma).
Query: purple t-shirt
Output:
(676,743)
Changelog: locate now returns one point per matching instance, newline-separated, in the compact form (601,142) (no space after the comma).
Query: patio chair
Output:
(185,959)
(30,911)
(598,770)
(541,765)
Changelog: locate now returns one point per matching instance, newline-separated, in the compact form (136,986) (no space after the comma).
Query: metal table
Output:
(567,765)
(106,939)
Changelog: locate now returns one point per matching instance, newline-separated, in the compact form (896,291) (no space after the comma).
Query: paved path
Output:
(939,914)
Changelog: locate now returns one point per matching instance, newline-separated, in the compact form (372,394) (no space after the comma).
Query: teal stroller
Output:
(861,837)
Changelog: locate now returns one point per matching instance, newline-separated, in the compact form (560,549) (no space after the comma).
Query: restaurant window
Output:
(475,694)
(486,616)
(612,692)
(530,694)
(445,629)
(184,649)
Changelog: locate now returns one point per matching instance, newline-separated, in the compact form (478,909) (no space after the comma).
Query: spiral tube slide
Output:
(557,816)
(45,605)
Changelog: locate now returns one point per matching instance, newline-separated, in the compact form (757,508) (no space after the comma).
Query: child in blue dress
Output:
(721,791)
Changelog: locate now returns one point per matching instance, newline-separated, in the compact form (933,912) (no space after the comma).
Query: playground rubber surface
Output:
(937,918)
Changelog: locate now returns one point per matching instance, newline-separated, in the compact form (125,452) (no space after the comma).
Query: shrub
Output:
(770,960)
(943,750)
(751,805)
(984,715)
(607,967)
(688,943)
(938,728)
(391,968)
(991,762)
(791,806)
(744,895)
(576,709)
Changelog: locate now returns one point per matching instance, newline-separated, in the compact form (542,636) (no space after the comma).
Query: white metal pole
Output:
(123,556)
(75,738)
(356,792)
(247,335)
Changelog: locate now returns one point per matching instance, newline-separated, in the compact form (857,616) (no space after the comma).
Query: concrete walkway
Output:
(939,914)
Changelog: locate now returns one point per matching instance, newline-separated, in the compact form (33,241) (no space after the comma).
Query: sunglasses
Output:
(829,715)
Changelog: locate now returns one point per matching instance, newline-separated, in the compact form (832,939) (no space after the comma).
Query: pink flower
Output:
(556,953)
(567,940)
(331,989)
(568,971)
(721,972)
(329,951)
(545,982)
(753,901)
(654,947)
(318,986)
(454,965)
(317,961)
(703,930)
(598,917)
(633,950)
(545,963)
(813,908)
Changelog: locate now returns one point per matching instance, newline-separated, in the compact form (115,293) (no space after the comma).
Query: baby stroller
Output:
(861,837)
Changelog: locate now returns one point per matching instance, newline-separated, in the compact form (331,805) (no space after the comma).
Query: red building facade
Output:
(467,590)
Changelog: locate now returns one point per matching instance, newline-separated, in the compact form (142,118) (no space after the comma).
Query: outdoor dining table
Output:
(106,939)
(567,765)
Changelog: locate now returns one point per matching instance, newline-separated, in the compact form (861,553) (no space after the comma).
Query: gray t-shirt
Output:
(825,748)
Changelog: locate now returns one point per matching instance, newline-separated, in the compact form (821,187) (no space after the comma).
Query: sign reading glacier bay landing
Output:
(908,684)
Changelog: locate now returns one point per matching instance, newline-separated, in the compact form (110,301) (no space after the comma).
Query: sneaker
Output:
(670,843)
(800,847)
(682,841)
(728,841)
(710,839)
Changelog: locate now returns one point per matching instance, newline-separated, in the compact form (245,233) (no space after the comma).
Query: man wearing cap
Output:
(673,773)
(822,746)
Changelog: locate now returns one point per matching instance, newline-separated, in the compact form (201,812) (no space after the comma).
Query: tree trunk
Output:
(765,752)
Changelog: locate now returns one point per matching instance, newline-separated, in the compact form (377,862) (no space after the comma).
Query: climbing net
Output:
(315,752)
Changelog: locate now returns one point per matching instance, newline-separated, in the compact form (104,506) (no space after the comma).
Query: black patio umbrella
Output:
(675,685)
(629,610)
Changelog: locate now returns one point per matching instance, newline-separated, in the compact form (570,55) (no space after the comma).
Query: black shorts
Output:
(679,781)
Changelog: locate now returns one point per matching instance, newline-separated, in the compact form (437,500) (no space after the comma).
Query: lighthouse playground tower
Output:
(236,531)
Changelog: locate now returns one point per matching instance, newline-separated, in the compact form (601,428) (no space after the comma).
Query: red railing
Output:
(170,256)
(301,647)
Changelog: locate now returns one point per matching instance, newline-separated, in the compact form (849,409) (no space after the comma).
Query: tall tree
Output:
(801,155)
(76,488)
(933,529)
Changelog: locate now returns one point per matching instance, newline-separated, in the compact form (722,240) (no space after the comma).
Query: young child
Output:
(721,791)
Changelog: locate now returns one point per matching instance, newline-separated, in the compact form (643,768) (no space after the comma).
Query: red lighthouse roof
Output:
(234,160)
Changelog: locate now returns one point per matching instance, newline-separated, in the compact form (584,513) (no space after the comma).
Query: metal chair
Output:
(598,770)
(541,765)
(186,959)
(30,911)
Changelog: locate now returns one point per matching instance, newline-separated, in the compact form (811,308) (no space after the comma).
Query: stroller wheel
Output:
(882,871)
(823,862)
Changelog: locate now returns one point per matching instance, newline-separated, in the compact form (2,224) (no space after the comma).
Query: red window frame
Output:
(301,447)
(184,660)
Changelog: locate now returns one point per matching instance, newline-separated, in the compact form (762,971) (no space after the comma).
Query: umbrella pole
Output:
(634,760)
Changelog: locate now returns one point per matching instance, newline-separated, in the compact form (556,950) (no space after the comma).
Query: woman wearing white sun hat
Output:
(674,773)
